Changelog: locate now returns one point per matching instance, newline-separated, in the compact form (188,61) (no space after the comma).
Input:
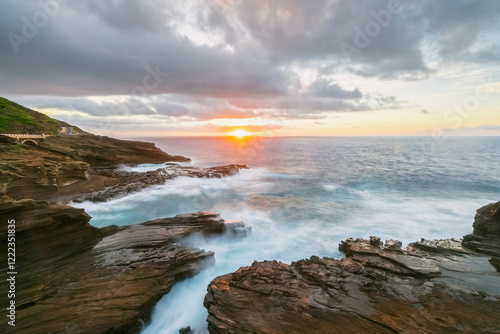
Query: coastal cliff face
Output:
(429,287)
(106,183)
(75,278)
(78,168)
(39,172)
(100,151)
(486,236)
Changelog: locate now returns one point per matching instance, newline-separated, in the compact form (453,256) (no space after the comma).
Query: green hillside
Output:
(15,118)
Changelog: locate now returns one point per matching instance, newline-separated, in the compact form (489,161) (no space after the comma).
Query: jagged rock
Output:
(238,228)
(375,241)
(106,151)
(486,235)
(374,289)
(186,330)
(388,259)
(76,278)
(40,172)
(70,168)
(393,245)
(441,246)
(104,184)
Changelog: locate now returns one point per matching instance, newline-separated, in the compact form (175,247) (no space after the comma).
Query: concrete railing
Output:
(24,135)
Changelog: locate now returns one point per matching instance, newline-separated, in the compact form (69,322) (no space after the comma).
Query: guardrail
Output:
(23,135)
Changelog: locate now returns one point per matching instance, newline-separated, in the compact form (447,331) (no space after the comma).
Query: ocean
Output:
(303,195)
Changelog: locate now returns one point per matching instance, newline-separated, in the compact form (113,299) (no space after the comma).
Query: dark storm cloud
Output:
(139,49)
(82,53)
(335,31)
(128,106)
(378,38)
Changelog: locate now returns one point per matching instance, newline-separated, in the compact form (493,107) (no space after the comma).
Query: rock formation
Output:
(429,287)
(106,183)
(78,168)
(76,278)
(28,171)
(486,235)
(73,277)
(106,151)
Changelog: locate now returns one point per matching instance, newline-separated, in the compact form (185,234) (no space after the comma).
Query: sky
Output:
(273,68)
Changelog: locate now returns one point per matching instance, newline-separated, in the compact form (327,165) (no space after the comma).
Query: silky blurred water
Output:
(302,196)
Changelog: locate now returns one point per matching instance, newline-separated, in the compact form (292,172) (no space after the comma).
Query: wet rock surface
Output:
(76,278)
(486,235)
(108,183)
(431,286)
(106,151)
(87,167)
(40,172)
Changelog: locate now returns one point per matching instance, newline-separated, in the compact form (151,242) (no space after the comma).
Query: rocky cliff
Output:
(428,287)
(39,172)
(75,278)
(486,236)
(100,151)
(84,167)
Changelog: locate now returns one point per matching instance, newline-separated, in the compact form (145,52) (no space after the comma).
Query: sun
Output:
(240,133)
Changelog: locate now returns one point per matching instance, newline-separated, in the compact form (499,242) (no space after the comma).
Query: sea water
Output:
(303,195)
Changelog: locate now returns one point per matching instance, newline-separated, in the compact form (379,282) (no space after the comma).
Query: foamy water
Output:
(302,196)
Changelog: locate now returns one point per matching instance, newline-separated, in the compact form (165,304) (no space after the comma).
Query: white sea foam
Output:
(141,168)
(331,187)
(309,209)
(179,195)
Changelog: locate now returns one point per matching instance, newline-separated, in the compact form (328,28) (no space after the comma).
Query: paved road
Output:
(66,131)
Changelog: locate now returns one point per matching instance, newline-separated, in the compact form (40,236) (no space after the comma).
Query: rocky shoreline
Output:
(46,171)
(68,169)
(108,183)
(439,286)
(76,278)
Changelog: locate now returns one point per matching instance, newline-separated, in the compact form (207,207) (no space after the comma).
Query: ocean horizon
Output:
(303,195)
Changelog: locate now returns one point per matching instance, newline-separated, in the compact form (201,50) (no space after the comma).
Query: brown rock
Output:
(38,172)
(106,151)
(373,290)
(76,278)
(104,184)
(486,235)
(70,168)
(185,330)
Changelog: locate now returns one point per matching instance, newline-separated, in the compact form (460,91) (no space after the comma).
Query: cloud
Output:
(494,128)
(473,130)
(326,88)
(202,60)
(424,111)
(104,47)
(459,25)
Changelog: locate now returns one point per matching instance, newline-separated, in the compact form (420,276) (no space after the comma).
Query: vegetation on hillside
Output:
(15,118)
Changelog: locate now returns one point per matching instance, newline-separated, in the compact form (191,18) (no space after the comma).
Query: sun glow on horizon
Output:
(240,133)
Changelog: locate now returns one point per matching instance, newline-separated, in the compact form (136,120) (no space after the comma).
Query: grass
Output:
(15,118)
